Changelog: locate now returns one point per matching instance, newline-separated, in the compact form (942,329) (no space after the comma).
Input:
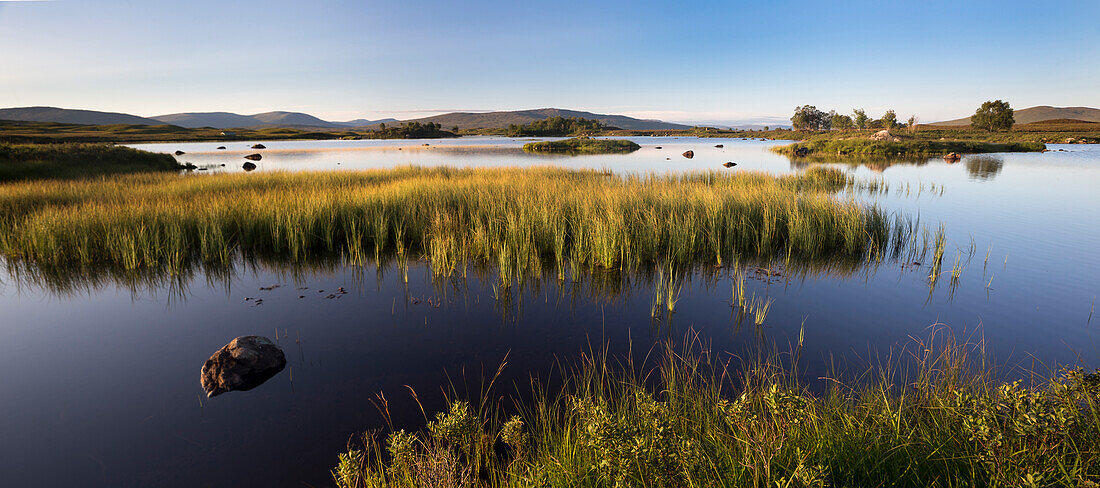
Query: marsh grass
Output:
(62,161)
(523,222)
(934,415)
(583,145)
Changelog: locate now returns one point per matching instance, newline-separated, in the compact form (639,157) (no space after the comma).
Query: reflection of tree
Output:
(984,167)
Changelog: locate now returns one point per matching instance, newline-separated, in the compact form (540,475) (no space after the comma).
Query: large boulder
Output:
(247,166)
(884,135)
(254,157)
(243,364)
(689,154)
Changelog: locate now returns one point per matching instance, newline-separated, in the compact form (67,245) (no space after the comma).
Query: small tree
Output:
(809,117)
(841,122)
(912,123)
(993,116)
(889,119)
(862,121)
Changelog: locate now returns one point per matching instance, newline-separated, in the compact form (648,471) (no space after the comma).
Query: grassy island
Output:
(582,145)
(833,145)
(532,220)
(44,161)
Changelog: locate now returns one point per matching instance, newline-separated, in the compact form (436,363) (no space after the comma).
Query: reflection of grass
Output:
(692,420)
(582,145)
(38,161)
(520,220)
(836,146)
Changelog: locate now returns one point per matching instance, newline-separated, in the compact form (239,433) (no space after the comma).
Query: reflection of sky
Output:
(114,388)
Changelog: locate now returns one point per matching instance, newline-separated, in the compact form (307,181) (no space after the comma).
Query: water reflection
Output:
(984,167)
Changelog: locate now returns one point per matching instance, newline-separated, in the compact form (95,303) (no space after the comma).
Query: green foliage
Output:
(410,130)
(994,115)
(63,161)
(696,420)
(841,122)
(583,145)
(861,120)
(558,127)
(889,119)
(808,117)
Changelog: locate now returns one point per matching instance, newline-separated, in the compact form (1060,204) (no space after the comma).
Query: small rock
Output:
(221,147)
(658,147)
(689,154)
(248,166)
(719,145)
(243,364)
(180,153)
(729,164)
(951,157)
(259,146)
(254,157)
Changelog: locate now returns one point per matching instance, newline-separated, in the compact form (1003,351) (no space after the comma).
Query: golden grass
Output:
(521,221)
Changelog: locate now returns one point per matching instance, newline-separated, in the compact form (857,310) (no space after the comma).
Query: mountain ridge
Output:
(229,120)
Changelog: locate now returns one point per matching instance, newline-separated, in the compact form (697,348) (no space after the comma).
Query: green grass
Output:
(522,222)
(582,145)
(841,145)
(62,161)
(935,418)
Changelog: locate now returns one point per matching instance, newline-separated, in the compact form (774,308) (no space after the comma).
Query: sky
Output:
(725,62)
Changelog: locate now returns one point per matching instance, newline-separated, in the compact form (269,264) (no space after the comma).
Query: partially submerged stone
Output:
(243,364)
(689,154)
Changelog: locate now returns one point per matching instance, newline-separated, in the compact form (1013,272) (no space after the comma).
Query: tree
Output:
(889,119)
(862,121)
(810,118)
(912,123)
(841,122)
(993,116)
(382,126)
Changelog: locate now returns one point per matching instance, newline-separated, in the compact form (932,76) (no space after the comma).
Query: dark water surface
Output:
(101,385)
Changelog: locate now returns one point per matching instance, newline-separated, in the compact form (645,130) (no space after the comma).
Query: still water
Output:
(101,381)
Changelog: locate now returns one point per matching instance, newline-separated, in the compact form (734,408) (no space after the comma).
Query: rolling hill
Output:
(72,116)
(465,120)
(1041,113)
(228,120)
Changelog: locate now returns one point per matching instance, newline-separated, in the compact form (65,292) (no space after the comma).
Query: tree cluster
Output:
(558,126)
(412,130)
(808,117)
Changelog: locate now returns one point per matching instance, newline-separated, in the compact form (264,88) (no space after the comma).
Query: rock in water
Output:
(719,145)
(729,164)
(951,157)
(180,153)
(247,166)
(689,154)
(221,147)
(243,364)
(259,146)
(254,157)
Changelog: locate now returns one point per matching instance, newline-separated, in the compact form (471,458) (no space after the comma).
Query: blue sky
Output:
(716,62)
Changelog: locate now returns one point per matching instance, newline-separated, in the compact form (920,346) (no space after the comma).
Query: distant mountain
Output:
(464,120)
(218,120)
(71,116)
(226,120)
(365,122)
(1041,113)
